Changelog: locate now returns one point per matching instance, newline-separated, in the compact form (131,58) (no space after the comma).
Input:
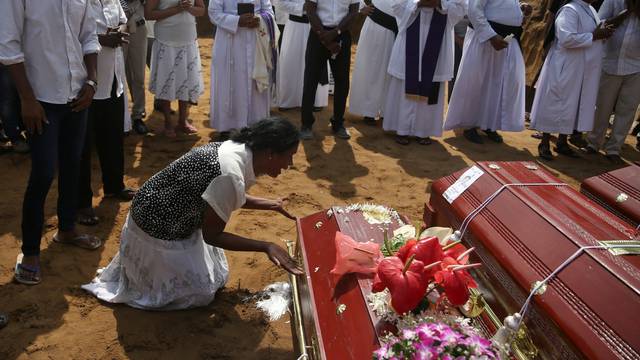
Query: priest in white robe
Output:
(491,93)
(236,101)
(370,78)
(421,63)
(568,86)
(290,73)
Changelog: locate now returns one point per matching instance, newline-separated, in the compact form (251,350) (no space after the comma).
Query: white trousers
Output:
(620,96)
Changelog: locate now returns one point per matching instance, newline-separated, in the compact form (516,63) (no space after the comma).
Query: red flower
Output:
(455,280)
(427,250)
(405,282)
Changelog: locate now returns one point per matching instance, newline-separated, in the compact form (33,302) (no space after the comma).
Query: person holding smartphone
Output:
(175,59)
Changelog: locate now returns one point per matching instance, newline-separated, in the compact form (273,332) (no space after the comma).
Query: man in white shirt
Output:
(105,126)
(619,91)
(135,55)
(329,39)
(50,49)
(493,71)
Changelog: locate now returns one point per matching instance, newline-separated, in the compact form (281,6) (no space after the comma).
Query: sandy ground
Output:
(57,320)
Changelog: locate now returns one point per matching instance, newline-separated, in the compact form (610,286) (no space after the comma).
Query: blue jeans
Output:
(9,105)
(58,147)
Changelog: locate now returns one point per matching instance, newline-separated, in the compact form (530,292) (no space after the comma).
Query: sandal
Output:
(187,129)
(402,140)
(84,241)
(425,141)
(125,194)
(87,217)
(545,152)
(26,274)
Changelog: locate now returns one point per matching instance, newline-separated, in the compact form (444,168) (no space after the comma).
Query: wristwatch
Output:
(93,84)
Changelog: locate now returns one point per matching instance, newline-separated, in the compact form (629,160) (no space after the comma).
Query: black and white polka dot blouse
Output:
(169,205)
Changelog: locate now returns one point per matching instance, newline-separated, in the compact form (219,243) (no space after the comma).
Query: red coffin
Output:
(618,191)
(592,309)
(319,329)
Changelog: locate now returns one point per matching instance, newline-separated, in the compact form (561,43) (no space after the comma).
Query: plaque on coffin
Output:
(592,308)
(618,191)
(331,317)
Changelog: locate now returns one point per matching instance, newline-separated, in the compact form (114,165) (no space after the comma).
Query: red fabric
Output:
(355,257)
(407,289)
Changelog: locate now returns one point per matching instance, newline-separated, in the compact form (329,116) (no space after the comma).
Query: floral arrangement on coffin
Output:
(423,266)
(432,339)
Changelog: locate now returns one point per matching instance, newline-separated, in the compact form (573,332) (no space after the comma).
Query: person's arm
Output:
(567,33)
(311,7)
(151,11)
(33,115)
(214,235)
(258,203)
(481,26)
(197,9)
(230,22)
(329,36)
(85,96)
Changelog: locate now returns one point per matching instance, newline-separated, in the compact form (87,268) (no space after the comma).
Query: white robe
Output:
(370,79)
(568,87)
(409,116)
(290,72)
(235,99)
(490,87)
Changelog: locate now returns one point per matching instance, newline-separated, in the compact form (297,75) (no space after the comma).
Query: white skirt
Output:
(370,78)
(412,117)
(491,91)
(154,274)
(176,73)
(290,72)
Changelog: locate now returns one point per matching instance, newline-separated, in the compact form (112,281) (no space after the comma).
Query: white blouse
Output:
(227,192)
(176,30)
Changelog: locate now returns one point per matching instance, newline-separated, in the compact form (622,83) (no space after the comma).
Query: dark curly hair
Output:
(274,133)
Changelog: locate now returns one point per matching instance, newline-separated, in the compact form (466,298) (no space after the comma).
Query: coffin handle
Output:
(297,314)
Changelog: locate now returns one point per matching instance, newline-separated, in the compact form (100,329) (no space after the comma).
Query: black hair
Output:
(274,133)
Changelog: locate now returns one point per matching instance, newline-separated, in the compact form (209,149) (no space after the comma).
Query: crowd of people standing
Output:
(67,67)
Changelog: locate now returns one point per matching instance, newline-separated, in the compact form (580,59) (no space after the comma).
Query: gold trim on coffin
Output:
(522,347)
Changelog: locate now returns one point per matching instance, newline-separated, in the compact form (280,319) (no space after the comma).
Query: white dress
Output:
(155,272)
(290,72)
(370,79)
(176,72)
(491,90)
(235,99)
(568,87)
(410,116)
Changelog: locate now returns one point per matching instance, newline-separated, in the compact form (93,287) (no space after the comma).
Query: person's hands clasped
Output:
(327,37)
(367,10)
(281,258)
(84,99)
(33,116)
(498,42)
(603,31)
(248,21)
(114,39)
(185,5)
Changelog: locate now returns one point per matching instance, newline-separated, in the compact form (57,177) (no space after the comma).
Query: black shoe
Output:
(566,150)
(589,150)
(614,158)
(140,127)
(369,121)
(473,136)
(544,152)
(317,108)
(341,133)
(638,145)
(494,136)
(577,140)
(3,136)
(636,130)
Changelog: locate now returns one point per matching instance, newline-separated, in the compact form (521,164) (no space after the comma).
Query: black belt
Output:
(304,19)
(505,30)
(385,20)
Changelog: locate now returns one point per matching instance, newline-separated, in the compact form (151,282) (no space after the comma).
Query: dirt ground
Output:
(57,320)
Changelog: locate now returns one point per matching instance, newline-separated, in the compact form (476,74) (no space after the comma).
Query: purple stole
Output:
(268,19)
(422,85)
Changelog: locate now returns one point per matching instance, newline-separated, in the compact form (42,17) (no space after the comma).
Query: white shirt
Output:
(227,192)
(505,12)
(176,30)
(294,7)
(281,14)
(331,12)
(109,14)
(622,50)
(51,38)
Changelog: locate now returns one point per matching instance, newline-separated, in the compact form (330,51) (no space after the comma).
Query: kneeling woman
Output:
(171,245)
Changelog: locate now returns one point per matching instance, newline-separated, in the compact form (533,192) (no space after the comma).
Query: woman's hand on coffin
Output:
(277,205)
(498,42)
(367,10)
(248,21)
(280,257)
